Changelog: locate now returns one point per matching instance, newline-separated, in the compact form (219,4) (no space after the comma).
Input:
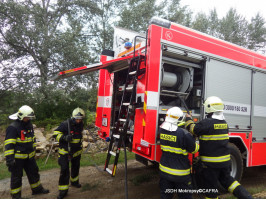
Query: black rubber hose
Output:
(125,152)
(184,103)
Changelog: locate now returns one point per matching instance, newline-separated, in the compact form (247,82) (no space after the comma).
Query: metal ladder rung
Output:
(109,171)
(122,120)
(112,153)
(132,73)
(126,104)
(121,88)
(129,87)
(130,132)
(116,136)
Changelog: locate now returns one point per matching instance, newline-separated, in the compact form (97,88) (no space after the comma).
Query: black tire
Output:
(236,162)
(236,165)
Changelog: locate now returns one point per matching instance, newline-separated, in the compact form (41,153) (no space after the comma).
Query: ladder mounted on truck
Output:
(120,130)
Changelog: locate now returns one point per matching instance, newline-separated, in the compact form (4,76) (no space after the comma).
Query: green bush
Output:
(4,119)
(90,118)
(47,123)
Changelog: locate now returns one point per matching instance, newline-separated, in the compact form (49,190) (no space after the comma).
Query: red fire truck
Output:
(172,65)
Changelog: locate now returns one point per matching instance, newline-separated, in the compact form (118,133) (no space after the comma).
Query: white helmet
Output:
(78,113)
(24,111)
(173,115)
(213,104)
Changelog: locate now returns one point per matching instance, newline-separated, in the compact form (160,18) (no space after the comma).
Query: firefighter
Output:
(69,136)
(214,151)
(20,145)
(174,164)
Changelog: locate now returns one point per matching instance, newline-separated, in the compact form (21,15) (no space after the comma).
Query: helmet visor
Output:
(78,117)
(30,116)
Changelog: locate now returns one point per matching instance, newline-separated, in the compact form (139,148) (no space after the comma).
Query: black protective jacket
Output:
(213,137)
(75,131)
(175,146)
(20,141)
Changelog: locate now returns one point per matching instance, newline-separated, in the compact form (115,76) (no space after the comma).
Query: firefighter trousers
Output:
(63,161)
(169,188)
(211,177)
(32,172)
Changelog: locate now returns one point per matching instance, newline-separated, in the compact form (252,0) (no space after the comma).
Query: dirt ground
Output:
(143,183)
(96,184)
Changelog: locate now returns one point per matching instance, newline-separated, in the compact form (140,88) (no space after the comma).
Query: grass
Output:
(251,190)
(87,187)
(255,190)
(143,178)
(86,160)
(2,148)
(4,173)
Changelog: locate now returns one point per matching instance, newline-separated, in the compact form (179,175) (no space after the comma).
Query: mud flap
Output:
(141,159)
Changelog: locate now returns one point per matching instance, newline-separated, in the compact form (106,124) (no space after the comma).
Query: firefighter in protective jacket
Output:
(20,145)
(175,167)
(69,136)
(214,151)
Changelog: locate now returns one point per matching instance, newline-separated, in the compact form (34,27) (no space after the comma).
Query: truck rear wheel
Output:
(236,162)
(236,165)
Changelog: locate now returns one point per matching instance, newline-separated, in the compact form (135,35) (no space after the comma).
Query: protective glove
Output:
(67,138)
(10,164)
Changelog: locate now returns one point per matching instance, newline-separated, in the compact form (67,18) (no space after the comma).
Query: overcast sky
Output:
(247,8)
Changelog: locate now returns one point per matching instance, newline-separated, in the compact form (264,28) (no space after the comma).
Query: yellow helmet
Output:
(24,111)
(213,104)
(78,113)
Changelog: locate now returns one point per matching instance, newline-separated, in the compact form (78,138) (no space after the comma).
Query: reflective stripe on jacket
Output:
(175,172)
(20,141)
(75,143)
(214,138)
(24,156)
(175,146)
(62,151)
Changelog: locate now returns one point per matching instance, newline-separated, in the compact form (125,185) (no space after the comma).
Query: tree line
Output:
(40,38)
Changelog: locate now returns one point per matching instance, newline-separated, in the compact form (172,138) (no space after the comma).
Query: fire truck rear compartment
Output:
(179,77)
(180,81)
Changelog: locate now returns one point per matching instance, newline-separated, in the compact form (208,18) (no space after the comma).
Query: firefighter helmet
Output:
(213,104)
(173,115)
(78,113)
(24,111)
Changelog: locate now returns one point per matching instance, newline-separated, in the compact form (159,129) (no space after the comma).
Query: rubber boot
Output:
(16,196)
(76,184)
(40,191)
(241,193)
(62,194)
